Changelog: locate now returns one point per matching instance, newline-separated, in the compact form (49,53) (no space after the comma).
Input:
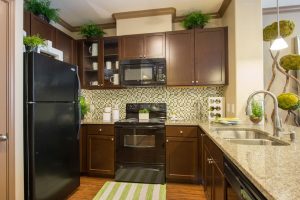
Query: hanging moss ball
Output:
(288,101)
(286,29)
(290,62)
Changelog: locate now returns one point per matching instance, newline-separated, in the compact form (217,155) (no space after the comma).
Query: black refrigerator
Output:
(52,123)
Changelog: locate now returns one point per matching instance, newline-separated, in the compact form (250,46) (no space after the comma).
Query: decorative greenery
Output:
(32,42)
(195,19)
(257,110)
(144,110)
(85,107)
(91,30)
(290,62)
(271,32)
(42,7)
(288,101)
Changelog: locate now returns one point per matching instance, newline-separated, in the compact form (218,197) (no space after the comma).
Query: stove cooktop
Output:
(137,121)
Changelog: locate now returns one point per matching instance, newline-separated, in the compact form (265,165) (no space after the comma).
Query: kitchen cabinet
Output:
(197,57)
(99,77)
(100,150)
(66,44)
(83,153)
(213,177)
(180,58)
(181,154)
(26,22)
(142,46)
(41,28)
(201,136)
(210,56)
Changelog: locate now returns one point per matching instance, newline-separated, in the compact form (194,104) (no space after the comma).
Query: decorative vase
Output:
(92,38)
(255,120)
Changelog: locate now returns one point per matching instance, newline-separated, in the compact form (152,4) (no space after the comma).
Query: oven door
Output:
(140,154)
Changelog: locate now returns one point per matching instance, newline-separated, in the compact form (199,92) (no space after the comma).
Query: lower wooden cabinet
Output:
(101,154)
(181,158)
(83,153)
(213,177)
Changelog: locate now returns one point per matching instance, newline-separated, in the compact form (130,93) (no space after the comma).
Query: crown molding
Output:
(223,8)
(283,9)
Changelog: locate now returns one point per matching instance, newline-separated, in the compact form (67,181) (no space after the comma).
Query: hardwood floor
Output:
(89,186)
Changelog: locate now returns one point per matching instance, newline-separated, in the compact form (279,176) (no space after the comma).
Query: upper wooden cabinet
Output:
(210,56)
(66,44)
(142,46)
(43,29)
(180,58)
(197,57)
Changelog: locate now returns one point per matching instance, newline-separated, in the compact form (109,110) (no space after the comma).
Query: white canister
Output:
(108,64)
(117,64)
(115,79)
(107,109)
(107,116)
(115,114)
(94,49)
(95,66)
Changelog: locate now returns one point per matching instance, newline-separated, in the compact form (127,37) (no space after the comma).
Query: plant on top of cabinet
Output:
(32,42)
(42,9)
(85,108)
(91,31)
(195,20)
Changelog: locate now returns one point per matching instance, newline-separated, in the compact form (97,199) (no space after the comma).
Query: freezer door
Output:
(52,151)
(47,79)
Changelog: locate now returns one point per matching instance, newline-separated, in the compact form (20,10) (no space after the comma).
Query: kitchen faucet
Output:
(277,126)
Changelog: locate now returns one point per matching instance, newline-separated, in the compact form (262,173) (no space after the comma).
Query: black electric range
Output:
(140,145)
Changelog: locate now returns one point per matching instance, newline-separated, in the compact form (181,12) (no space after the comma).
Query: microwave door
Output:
(147,75)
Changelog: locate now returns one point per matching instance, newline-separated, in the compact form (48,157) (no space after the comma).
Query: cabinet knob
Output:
(193,82)
(112,139)
(100,130)
(197,81)
(180,131)
(167,141)
(3,137)
(202,135)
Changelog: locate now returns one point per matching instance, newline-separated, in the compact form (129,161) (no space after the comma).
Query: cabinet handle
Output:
(197,81)
(167,141)
(144,56)
(112,139)
(180,131)
(100,130)
(3,137)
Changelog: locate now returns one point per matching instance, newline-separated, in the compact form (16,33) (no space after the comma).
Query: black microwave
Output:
(143,72)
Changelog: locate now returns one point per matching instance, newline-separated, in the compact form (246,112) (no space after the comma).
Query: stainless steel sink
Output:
(249,137)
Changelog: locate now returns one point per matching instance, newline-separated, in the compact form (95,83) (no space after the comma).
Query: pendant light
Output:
(279,43)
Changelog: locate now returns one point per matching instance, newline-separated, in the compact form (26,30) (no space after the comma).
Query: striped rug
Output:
(131,191)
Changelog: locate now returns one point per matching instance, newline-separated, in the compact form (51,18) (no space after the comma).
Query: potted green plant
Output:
(257,112)
(144,114)
(195,20)
(32,42)
(42,9)
(85,107)
(91,31)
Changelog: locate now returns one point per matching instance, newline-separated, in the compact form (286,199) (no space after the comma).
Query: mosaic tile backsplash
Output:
(185,103)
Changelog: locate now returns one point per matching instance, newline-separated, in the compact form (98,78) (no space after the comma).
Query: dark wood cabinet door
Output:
(218,192)
(210,56)
(64,43)
(155,45)
(201,161)
(43,29)
(182,159)
(101,154)
(180,58)
(208,174)
(132,47)
(26,22)
(83,153)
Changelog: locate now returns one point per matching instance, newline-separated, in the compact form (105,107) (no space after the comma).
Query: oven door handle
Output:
(139,146)
(141,126)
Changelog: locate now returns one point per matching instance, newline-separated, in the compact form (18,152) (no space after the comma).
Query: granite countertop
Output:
(274,170)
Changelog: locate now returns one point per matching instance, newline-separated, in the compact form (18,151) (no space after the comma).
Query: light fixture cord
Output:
(278,25)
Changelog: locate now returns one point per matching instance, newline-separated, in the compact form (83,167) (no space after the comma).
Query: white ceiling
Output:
(78,12)
(272,3)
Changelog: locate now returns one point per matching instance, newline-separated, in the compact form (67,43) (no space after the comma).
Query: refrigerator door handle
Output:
(78,102)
